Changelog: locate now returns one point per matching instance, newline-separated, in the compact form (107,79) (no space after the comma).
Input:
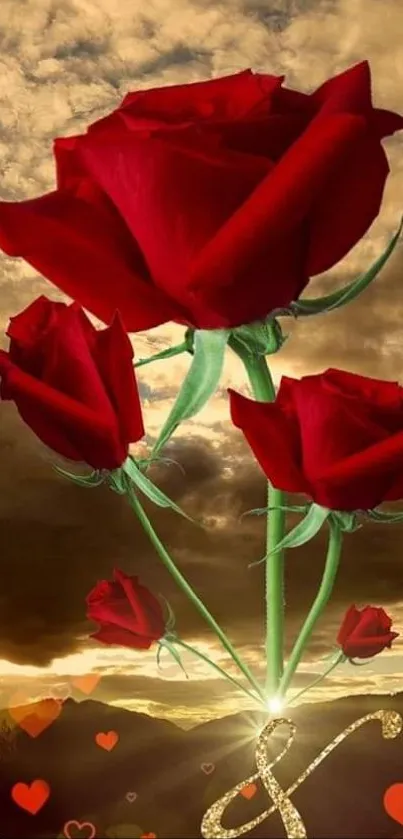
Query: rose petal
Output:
(269,223)
(229,97)
(108,603)
(29,326)
(65,425)
(69,367)
(104,590)
(149,621)
(85,252)
(385,399)
(384,620)
(61,356)
(348,207)
(374,620)
(349,92)
(112,634)
(113,354)
(350,621)
(386,122)
(115,611)
(367,647)
(365,632)
(173,200)
(271,437)
(285,101)
(331,426)
(363,480)
(337,224)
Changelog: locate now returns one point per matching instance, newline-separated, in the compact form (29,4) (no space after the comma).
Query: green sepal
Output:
(287,508)
(261,337)
(359,663)
(168,643)
(145,463)
(383,518)
(171,620)
(96,478)
(186,346)
(140,480)
(319,305)
(335,651)
(116,481)
(346,521)
(303,532)
(200,383)
(190,340)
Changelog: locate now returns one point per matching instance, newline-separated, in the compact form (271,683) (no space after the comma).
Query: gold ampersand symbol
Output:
(211,827)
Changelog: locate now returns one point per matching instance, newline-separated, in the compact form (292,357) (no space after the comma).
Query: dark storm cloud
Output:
(157,690)
(194,465)
(277,16)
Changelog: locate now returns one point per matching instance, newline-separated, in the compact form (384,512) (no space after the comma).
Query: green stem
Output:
(219,670)
(340,658)
(322,597)
(264,391)
(187,589)
(274,591)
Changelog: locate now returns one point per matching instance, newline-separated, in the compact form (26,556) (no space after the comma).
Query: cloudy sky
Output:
(63,65)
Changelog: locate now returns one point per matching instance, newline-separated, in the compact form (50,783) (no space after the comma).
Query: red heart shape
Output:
(393,802)
(31,797)
(108,740)
(249,791)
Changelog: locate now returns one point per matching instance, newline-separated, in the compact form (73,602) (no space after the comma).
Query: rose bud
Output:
(210,203)
(72,384)
(366,632)
(336,437)
(128,614)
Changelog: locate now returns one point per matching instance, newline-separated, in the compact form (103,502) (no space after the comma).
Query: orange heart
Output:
(31,797)
(86,683)
(107,741)
(249,790)
(393,802)
(35,717)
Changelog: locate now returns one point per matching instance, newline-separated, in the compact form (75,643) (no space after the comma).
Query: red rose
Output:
(128,614)
(336,436)
(73,385)
(209,203)
(365,632)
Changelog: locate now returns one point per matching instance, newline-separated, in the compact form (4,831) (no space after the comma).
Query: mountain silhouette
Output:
(133,775)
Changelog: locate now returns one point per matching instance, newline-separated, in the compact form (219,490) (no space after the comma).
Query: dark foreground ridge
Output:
(158,780)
